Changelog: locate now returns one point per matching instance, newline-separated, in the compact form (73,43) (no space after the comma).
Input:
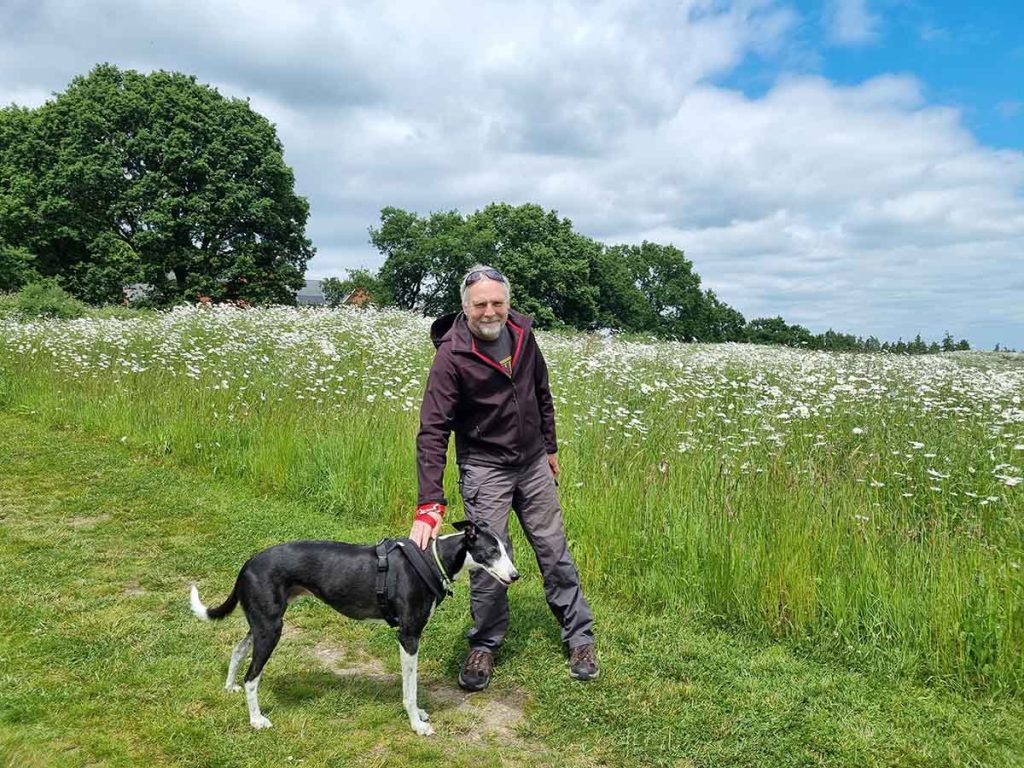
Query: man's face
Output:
(486,309)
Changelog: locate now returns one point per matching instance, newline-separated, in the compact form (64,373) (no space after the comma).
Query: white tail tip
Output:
(197,606)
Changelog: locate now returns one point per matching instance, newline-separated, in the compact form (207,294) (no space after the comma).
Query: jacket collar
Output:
(454,329)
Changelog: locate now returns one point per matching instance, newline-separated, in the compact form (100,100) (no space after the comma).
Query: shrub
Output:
(46,298)
(8,304)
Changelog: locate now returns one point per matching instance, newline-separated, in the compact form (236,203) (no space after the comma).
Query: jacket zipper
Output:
(509,374)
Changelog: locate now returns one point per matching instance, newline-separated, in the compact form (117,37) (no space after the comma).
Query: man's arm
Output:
(546,404)
(437,417)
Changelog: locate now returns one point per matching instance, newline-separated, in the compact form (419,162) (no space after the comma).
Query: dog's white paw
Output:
(424,716)
(423,729)
(260,723)
(233,688)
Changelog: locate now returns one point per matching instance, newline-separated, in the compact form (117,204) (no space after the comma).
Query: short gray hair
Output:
(464,289)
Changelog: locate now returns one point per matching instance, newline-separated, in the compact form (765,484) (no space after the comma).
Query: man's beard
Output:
(490,331)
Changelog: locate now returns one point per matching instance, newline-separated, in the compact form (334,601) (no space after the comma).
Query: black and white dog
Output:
(348,577)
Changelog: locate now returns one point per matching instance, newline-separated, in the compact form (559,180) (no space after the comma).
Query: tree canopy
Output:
(563,278)
(559,276)
(154,178)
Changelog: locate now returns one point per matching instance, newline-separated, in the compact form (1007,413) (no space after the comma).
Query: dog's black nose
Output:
(515,575)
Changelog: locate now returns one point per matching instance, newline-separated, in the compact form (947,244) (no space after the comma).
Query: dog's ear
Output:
(467,528)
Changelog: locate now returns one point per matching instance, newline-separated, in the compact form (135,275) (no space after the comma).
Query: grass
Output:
(866,509)
(103,664)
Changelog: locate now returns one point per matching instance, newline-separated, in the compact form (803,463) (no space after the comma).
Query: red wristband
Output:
(423,513)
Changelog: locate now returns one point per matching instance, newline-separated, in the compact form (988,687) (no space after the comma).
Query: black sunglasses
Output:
(476,276)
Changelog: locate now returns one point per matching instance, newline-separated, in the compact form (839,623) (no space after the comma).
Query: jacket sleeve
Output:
(437,418)
(546,404)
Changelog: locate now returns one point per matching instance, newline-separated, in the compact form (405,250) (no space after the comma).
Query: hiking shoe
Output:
(476,671)
(583,662)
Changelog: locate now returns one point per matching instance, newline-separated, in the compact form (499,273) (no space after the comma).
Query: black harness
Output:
(428,571)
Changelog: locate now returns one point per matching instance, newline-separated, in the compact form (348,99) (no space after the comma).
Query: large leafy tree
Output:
(155,178)
(670,287)
(775,330)
(547,262)
(719,321)
(18,221)
(559,276)
(421,257)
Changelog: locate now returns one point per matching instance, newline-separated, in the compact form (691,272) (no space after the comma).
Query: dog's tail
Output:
(204,613)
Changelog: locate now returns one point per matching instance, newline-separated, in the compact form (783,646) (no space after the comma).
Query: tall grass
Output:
(863,506)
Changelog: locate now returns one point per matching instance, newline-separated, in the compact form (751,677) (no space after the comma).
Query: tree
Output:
(138,177)
(620,303)
(719,321)
(336,291)
(671,288)
(775,330)
(548,264)
(18,220)
(16,268)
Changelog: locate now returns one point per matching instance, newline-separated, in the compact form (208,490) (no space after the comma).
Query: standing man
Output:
(489,384)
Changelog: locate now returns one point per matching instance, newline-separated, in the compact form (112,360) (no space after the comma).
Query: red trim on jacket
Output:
(519,334)
(486,359)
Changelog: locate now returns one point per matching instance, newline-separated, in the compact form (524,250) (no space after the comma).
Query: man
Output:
(489,384)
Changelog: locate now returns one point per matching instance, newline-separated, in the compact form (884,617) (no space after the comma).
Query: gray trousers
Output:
(488,494)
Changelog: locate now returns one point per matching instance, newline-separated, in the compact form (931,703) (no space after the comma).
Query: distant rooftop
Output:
(310,294)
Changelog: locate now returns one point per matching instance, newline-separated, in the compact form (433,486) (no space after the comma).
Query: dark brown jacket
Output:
(498,420)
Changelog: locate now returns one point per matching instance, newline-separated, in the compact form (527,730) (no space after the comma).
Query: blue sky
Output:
(969,56)
(853,164)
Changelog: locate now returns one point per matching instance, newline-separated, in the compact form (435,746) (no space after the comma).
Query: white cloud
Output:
(859,207)
(849,22)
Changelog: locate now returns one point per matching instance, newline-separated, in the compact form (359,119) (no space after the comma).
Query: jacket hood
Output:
(455,328)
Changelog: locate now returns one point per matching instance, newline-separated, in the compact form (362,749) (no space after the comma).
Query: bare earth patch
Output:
(87,521)
(473,717)
(351,662)
(493,714)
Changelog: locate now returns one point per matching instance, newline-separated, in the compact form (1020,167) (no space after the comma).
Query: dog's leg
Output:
(265,639)
(417,717)
(237,655)
(256,718)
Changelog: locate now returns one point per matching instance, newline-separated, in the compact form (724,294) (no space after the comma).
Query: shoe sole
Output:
(472,689)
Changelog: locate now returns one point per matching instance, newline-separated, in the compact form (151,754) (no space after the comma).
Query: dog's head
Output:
(485,550)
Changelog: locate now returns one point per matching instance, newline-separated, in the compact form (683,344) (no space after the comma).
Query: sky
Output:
(846,164)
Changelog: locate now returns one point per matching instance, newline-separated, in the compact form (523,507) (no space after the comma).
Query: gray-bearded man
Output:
(489,385)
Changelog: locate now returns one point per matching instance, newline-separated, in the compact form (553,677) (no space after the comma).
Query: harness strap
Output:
(424,568)
(438,583)
(384,546)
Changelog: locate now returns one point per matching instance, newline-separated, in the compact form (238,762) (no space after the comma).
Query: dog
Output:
(358,581)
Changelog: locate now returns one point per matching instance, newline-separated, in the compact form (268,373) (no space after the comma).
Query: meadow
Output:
(862,510)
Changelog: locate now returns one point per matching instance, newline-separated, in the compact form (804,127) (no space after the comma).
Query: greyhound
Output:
(350,578)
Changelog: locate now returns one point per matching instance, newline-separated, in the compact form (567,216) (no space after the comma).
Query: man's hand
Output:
(553,463)
(427,524)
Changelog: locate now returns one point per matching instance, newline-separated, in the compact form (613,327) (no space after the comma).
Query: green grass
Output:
(101,662)
(859,507)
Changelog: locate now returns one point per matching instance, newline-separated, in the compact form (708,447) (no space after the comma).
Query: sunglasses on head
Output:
(479,274)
